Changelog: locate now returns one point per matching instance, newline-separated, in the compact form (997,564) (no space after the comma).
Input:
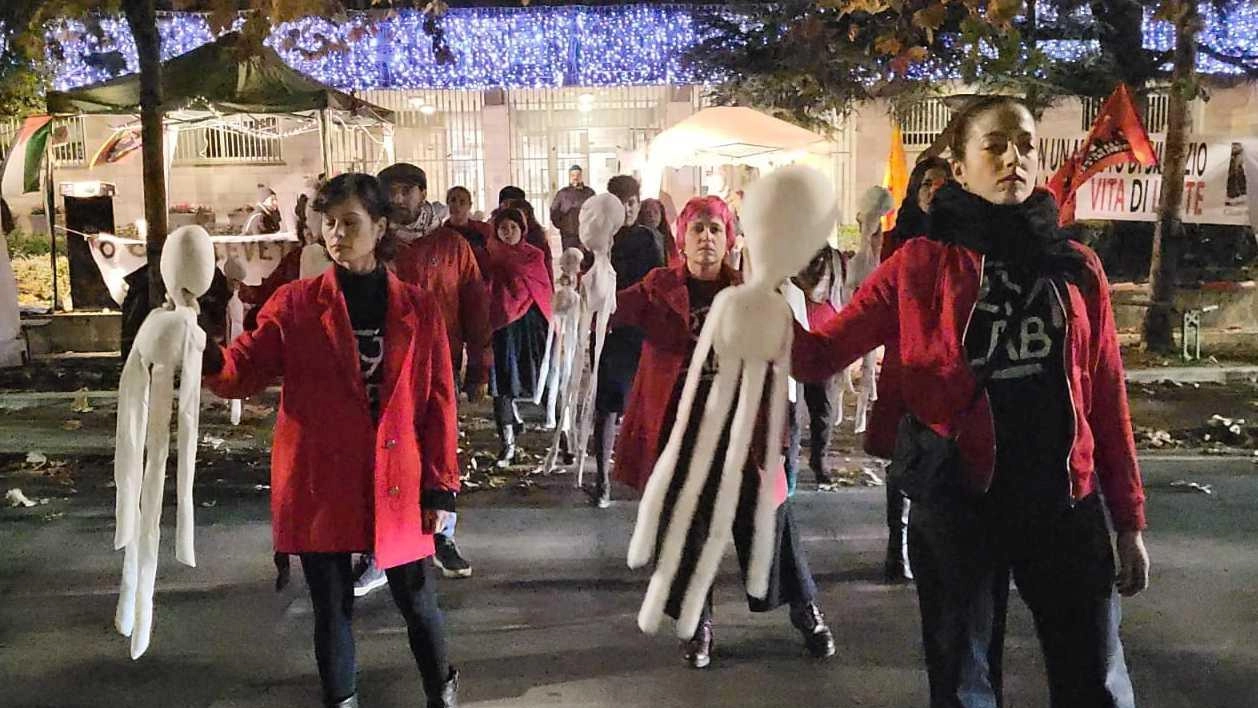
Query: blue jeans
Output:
(963,553)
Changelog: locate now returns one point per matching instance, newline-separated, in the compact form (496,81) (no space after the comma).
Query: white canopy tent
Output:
(729,135)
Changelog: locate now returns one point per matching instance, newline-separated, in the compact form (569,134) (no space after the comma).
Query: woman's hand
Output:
(1133,563)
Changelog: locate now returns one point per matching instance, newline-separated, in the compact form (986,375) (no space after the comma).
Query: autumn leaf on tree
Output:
(888,44)
(930,19)
(1002,13)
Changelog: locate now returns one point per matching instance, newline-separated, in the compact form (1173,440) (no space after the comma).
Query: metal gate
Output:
(555,128)
(440,131)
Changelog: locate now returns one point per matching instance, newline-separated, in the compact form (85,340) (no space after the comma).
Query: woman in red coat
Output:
(669,306)
(1008,348)
(364,453)
(520,292)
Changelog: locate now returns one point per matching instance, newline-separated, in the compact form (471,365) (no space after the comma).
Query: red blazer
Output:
(659,305)
(340,482)
(922,298)
(444,264)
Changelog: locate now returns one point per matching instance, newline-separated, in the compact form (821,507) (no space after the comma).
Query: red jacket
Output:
(922,298)
(339,481)
(444,264)
(659,305)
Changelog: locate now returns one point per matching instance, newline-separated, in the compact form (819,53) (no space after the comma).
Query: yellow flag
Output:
(896,178)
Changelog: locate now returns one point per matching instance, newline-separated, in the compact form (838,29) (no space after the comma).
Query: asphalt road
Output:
(548,618)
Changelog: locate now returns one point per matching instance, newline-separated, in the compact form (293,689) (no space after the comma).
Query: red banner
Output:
(1117,137)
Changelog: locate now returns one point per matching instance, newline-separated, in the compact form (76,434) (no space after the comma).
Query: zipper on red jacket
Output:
(1065,365)
(965,332)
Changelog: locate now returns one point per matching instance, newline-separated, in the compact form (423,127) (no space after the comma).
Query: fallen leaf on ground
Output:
(72,425)
(36,459)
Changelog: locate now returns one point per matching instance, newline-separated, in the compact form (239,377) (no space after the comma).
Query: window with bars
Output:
(8,129)
(1157,108)
(227,144)
(921,124)
(71,151)
(441,131)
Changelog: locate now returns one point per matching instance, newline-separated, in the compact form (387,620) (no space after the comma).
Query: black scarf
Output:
(1025,236)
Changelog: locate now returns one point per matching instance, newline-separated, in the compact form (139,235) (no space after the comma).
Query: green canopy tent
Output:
(222,84)
(226,77)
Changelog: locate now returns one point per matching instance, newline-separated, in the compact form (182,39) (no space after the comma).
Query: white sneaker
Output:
(370,579)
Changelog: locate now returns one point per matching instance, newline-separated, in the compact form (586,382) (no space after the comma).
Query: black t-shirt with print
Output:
(1028,390)
(701,293)
(367,300)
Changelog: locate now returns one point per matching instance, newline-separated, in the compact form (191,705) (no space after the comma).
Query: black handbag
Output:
(927,466)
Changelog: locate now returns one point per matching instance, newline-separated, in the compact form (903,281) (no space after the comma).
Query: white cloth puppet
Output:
(601,217)
(562,346)
(234,271)
(169,340)
(787,216)
(874,204)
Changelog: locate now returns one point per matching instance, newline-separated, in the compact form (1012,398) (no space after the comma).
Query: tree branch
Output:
(1248,62)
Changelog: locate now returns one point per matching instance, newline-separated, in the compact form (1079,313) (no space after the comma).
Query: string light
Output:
(519,47)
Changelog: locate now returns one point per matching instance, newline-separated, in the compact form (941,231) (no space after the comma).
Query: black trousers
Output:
(414,588)
(820,423)
(962,554)
(790,579)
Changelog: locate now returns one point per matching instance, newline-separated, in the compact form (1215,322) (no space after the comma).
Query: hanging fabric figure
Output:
(874,204)
(168,341)
(600,218)
(786,217)
(561,361)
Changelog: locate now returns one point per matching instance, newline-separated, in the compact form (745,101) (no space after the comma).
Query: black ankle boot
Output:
(812,624)
(698,651)
(351,702)
(506,456)
(449,696)
(895,568)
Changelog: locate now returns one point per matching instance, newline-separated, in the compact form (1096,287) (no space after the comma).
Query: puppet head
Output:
(601,217)
(873,205)
(787,216)
(188,261)
(570,261)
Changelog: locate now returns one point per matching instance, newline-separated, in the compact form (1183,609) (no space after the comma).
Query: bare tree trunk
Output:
(1169,232)
(142,18)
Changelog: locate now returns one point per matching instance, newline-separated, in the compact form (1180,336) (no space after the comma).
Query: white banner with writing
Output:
(257,256)
(1214,181)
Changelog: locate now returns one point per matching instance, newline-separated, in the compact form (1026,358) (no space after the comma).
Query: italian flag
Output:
(26,155)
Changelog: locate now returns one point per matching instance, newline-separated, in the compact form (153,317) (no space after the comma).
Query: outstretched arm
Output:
(255,359)
(869,321)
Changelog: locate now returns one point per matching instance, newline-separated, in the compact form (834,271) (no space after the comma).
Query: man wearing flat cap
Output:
(414,215)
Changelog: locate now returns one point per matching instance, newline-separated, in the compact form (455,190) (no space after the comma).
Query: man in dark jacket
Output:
(565,210)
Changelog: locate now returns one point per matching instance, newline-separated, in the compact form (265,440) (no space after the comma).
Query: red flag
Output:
(1117,137)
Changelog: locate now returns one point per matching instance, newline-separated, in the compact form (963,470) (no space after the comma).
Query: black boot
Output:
(565,452)
(605,439)
(812,624)
(351,702)
(697,652)
(449,696)
(817,462)
(504,417)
